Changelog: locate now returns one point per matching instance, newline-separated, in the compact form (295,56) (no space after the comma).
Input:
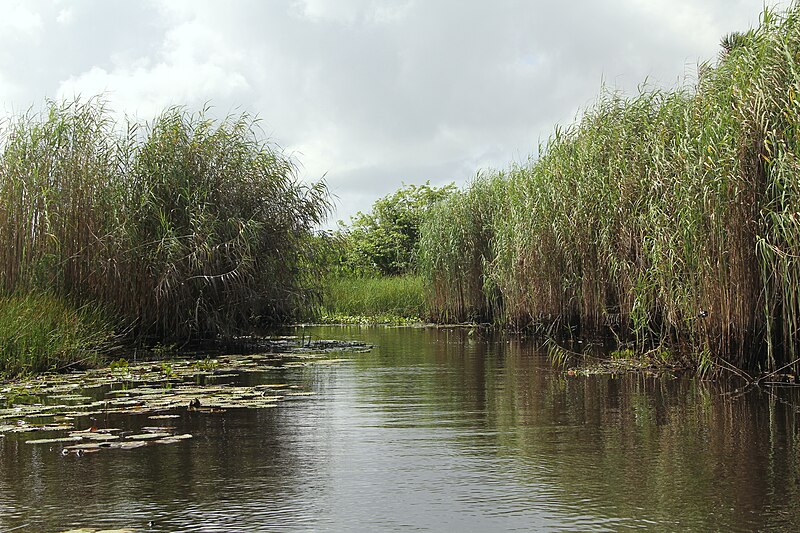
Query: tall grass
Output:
(670,216)
(455,248)
(182,228)
(374,296)
(40,332)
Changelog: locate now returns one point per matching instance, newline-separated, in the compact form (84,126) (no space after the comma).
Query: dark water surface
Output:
(436,430)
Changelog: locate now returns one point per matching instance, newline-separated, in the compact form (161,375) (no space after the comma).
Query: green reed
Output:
(669,217)
(185,227)
(40,332)
(373,296)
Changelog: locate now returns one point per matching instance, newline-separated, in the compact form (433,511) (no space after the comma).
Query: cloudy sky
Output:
(370,93)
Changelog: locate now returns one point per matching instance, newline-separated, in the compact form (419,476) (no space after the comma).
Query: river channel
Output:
(435,430)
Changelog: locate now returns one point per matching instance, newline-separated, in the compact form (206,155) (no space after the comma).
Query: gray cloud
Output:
(373,93)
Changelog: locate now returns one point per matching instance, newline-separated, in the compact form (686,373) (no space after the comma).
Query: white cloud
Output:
(65,16)
(373,92)
(191,67)
(351,12)
(20,19)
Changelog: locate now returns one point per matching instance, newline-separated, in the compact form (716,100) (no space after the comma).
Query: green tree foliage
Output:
(385,241)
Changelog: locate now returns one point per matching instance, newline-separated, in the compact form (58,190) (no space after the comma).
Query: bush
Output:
(385,241)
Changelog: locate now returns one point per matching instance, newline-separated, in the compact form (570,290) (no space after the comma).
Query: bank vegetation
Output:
(179,229)
(668,218)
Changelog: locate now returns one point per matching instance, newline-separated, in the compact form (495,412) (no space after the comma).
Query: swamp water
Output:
(433,429)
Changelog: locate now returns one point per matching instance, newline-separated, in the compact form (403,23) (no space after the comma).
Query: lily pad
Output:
(128,444)
(93,530)
(149,436)
(26,428)
(86,446)
(144,390)
(98,437)
(93,430)
(174,439)
(53,441)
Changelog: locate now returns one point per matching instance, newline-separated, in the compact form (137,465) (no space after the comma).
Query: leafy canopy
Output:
(385,240)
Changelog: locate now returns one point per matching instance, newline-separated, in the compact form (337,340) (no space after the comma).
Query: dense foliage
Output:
(385,240)
(669,216)
(182,228)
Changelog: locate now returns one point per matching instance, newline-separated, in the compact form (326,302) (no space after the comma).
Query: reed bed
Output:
(367,296)
(671,217)
(455,246)
(40,332)
(179,229)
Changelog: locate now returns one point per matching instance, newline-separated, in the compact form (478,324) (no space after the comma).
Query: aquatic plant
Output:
(181,228)
(668,217)
(40,332)
(457,244)
(221,224)
(348,298)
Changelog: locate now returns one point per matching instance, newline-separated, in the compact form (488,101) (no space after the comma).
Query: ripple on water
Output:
(433,430)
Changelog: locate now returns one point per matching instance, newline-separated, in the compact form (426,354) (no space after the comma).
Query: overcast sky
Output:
(372,94)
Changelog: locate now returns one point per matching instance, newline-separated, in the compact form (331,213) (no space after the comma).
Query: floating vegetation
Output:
(23,427)
(70,405)
(94,441)
(53,441)
(94,530)
(593,361)
(613,367)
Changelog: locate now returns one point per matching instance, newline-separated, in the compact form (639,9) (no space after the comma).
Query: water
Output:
(437,430)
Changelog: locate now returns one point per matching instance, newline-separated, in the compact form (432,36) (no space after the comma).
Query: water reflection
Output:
(438,430)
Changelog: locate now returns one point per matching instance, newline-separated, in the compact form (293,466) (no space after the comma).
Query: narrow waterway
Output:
(435,430)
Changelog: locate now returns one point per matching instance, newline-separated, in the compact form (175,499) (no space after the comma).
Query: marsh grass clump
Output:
(182,228)
(457,244)
(349,297)
(220,229)
(669,217)
(40,332)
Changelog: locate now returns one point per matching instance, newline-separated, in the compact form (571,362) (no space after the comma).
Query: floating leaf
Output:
(93,530)
(127,445)
(148,436)
(87,446)
(95,436)
(53,441)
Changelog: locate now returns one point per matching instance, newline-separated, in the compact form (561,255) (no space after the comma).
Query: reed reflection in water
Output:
(438,430)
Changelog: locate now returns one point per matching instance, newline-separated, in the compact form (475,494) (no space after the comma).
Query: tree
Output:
(385,240)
